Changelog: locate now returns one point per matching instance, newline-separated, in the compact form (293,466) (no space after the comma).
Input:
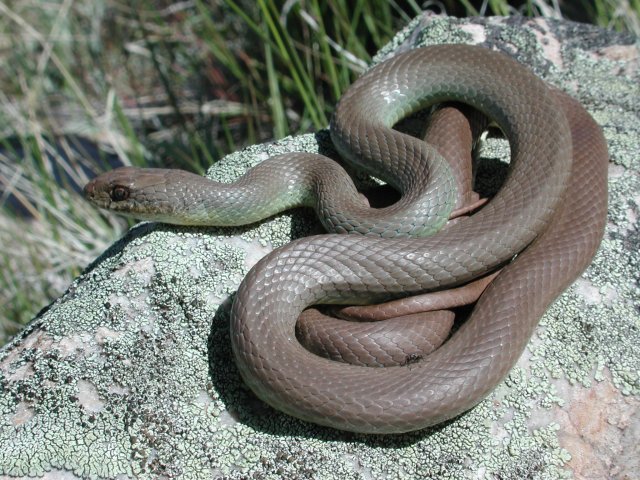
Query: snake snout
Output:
(89,190)
(94,192)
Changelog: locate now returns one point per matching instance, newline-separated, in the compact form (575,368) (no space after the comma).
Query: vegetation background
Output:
(88,84)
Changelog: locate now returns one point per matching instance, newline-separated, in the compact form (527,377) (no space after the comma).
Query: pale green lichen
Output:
(131,373)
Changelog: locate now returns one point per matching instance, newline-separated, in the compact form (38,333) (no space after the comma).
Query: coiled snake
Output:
(550,211)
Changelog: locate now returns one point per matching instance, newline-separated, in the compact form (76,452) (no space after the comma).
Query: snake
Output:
(541,229)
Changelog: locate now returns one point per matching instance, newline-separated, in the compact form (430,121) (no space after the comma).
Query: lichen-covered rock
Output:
(130,373)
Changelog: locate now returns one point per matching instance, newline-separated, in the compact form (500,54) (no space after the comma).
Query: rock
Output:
(130,373)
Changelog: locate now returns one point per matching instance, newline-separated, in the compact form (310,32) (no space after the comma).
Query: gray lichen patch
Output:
(120,354)
(131,374)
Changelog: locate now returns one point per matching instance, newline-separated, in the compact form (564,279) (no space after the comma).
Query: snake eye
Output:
(118,194)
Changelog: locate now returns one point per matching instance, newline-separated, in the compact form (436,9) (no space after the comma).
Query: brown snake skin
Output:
(551,209)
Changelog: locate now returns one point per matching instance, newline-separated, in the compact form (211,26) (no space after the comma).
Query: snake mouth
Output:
(89,191)
(96,195)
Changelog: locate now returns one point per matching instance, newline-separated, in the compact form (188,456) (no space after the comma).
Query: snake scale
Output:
(551,212)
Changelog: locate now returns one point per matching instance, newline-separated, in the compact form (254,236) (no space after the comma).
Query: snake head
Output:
(128,191)
(111,190)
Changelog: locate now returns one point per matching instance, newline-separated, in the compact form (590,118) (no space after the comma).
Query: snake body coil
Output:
(552,209)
